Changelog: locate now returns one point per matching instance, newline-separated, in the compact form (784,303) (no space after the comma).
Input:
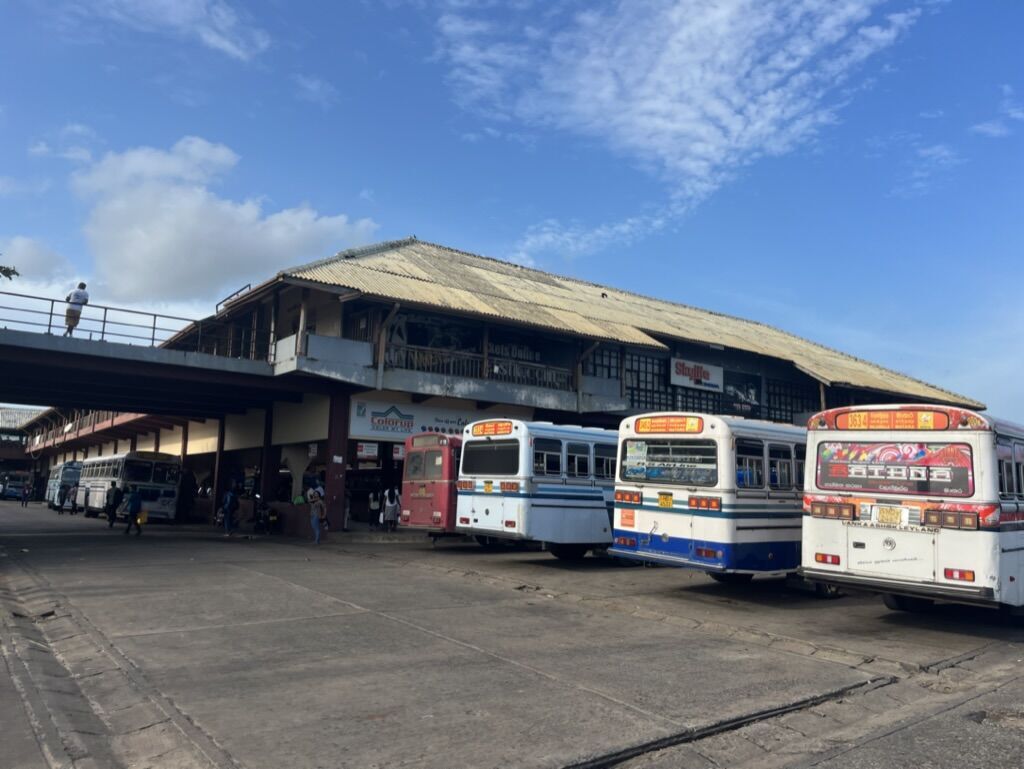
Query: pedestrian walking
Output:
(392,504)
(229,504)
(73,498)
(135,515)
(76,299)
(25,493)
(113,501)
(317,516)
(62,498)
(376,514)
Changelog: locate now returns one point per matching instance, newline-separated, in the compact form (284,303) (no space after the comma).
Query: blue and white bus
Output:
(718,494)
(539,482)
(63,478)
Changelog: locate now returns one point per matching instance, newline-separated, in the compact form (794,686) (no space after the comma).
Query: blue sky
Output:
(849,171)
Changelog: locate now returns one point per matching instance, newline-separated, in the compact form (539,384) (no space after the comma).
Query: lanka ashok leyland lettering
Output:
(916,502)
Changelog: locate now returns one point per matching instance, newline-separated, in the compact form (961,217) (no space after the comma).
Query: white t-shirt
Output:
(78,298)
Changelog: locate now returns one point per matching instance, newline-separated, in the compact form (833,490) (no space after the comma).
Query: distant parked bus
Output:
(428,486)
(62,478)
(917,503)
(537,481)
(14,482)
(718,494)
(156,476)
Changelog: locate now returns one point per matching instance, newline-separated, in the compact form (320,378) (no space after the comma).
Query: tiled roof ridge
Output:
(353,253)
(387,245)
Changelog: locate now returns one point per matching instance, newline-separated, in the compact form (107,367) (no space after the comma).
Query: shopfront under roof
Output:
(429,275)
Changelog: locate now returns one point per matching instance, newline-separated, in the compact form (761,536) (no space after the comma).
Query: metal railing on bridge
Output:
(456,363)
(47,315)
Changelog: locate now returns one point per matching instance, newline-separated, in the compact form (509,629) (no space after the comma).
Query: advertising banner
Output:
(742,396)
(699,376)
(394,421)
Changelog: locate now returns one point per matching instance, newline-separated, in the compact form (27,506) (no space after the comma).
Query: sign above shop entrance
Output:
(394,421)
(699,376)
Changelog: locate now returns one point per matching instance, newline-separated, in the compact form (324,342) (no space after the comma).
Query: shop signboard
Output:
(394,421)
(367,450)
(742,396)
(398,452)
(695,375)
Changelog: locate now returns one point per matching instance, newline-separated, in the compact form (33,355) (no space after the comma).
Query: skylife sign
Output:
(699,376)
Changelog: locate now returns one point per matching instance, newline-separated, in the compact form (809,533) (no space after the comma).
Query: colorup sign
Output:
(700,376)
(392,421)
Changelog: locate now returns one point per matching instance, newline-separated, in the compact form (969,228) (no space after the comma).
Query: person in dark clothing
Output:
(113,501)
(134,511)
(229,505)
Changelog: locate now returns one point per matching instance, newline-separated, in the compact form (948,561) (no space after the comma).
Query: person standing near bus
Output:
(113,501)
(392,504)
(73,497)
(376,516)
(229,504)
(76,299)
(25,493)
(317,515)
(134,511)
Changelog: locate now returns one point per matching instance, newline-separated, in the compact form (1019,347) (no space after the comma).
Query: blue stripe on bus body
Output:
(728,514)
(736,556)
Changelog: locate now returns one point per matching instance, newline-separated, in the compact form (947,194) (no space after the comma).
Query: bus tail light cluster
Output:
(830,510)
(510,524)
(463,520)
(951,520)
(465,485)
(962,575)
(706,552)
(436,516)
(510,486)
(405,515)
(626,541)
(705,503)
(826,558)
(629,497)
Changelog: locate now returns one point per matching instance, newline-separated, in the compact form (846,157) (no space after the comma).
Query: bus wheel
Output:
(905,602)
(568,552)
(730,579)
(828,592)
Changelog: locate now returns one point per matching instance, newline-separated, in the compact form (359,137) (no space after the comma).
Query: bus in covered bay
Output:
(428,483)
(63,478)
(916,502)
(713,493)
(156,476)
(539,482)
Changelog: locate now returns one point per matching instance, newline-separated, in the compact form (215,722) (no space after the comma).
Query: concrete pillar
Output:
(133,443)
(270,456)
(296,457)
(337,449)
(156,440)
(219,482)
(184,441)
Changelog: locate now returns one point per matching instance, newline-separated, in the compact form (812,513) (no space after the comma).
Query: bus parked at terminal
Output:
(156,475)
(62,478)
(537,481)
(714,493)
(917,503)
(429,494)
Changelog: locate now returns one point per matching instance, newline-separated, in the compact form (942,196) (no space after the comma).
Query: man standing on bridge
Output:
(76,300)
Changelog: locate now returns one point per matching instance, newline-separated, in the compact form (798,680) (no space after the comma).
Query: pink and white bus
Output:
(918,503)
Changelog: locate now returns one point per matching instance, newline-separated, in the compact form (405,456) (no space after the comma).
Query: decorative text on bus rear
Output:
(934,469)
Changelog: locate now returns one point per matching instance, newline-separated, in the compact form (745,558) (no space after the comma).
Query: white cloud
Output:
(217,24)
(691,91)
(995,129)
(315,90)
(931,114)
(157,231)
(576,239)
(367,194)
(927,169)
(39,149)
(36,263)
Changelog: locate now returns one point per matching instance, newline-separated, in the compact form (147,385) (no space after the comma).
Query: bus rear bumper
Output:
(982,596)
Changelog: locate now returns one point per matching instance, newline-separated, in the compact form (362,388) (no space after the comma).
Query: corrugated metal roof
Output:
(428,274)
(13,417)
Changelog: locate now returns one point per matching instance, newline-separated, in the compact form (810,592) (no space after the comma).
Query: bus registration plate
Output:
(664,500)
(890,515)
(488,487)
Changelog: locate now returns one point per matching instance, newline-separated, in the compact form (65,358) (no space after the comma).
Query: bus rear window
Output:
(684,462)
(932,469)
(433,465)
(490,458)
(414,466)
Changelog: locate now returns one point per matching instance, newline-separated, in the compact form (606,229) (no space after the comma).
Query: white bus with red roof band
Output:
(918,503)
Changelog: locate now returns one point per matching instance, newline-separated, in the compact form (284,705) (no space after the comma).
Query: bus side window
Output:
(1007,485)
(577,460)
(749,464)
(1018,463)
(547,456)
(604,462)
(780,467)
(800,460)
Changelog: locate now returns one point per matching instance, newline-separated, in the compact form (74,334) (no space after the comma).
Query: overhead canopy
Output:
(426,274)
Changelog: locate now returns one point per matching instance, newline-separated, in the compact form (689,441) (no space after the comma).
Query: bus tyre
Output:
(730,579)
(828,592)
(905,602)
(568,552)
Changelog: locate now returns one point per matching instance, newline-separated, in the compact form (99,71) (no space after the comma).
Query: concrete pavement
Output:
(270,653)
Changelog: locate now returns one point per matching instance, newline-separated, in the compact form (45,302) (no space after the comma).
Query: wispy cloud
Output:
(926,169)
(931,114)
(315,90)
(1009,110)
(692,92)
(217,24)
(994,129)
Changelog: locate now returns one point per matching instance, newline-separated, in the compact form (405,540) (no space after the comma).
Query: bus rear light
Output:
(951,520)
(463,520)
(831,560)
(629,497)
(968,520)
(962,575)
(510,524)
(705,503)
(465,485)
(988,516)
(706,552)
(436,515)
(510,487)
(829,510)
(626,541)
(405,515)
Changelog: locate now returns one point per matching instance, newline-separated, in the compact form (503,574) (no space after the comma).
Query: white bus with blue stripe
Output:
(539,482)
(719,494)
